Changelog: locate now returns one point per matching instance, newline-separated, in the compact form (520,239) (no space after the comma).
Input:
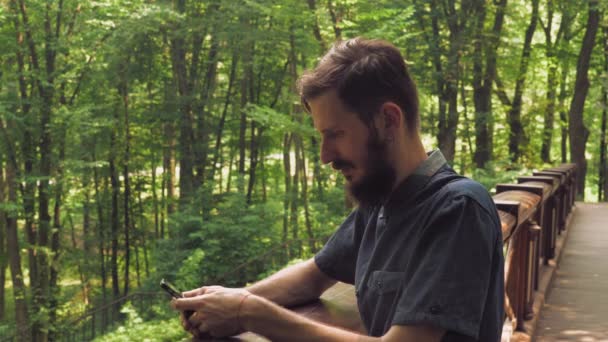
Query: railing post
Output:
(551,239)
(521,272)
(533,232)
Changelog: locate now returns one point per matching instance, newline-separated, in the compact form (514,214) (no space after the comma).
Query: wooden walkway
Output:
(577,305)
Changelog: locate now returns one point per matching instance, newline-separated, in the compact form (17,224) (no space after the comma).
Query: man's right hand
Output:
(203,323)
(191,321)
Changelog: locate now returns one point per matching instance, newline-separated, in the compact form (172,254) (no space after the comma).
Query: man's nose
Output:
(327,153)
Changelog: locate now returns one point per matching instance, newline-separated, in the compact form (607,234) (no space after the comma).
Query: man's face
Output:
(348,144)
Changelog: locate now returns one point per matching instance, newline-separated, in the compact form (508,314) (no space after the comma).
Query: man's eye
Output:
(335,135)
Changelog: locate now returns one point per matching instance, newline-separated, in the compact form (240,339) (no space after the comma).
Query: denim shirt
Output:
(432,255)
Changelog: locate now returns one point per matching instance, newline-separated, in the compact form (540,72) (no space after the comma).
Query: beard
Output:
(376,184)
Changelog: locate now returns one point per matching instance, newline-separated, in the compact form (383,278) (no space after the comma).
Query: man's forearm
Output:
(279,324)
(293,285)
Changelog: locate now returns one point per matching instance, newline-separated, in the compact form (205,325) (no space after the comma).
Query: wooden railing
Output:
(532,212)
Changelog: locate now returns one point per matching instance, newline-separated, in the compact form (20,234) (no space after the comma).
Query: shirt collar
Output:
(410,186)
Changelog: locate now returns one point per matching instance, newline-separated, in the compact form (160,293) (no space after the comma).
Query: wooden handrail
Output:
(531,213)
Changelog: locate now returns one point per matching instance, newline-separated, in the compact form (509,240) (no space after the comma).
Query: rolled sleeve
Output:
(338,258)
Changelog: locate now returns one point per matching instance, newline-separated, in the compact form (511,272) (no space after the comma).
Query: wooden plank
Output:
(577,306)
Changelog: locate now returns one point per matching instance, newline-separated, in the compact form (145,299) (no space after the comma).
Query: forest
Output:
(149,139)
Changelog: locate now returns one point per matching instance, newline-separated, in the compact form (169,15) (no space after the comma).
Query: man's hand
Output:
(216,310)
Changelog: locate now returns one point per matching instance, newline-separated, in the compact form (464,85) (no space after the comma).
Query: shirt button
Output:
(435,310)
(379,284)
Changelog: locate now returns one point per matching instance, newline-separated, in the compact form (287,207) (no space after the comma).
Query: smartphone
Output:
(175,293)
(170,289)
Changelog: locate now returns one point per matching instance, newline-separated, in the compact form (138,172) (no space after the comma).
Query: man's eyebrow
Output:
(329,130)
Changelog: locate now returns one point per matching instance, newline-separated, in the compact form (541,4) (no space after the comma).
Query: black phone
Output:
(175,293)
(170,289)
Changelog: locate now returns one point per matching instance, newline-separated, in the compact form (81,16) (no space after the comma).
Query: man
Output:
(423,248)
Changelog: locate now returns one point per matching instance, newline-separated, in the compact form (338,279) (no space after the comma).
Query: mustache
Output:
(340,164)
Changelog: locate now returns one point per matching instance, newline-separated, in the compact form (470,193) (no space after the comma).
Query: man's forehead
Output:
(328,112)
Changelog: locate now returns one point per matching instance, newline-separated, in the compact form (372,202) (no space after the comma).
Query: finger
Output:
(189,321)
(195,333)
(191,303)
(192,321)
(184,322)
(203,327)
(197,319)
(195,292)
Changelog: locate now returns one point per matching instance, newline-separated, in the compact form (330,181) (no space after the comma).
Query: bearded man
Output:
(423,248)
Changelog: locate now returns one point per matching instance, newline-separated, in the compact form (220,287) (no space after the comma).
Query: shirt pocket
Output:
(384,282)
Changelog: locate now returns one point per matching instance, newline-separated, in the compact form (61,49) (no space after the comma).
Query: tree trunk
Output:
(217,150)
(304,180)
(154,199)
(550,53)
(264,177)
(186,138)
(296,250)
(168,181)
(287,198)
(142,228)
(101,242)
(208,87)
(27,148)
(253,160)
(483,82)
(563,115)
(577,130)
(242,142)
(316,30)
(440,84)
(86,229)
(114,223)
(169,167)
(21,314)
(230,163)
(81,271)
(545,151)
(447,132)
(603,167)
(517,136)
(136,243)
(3,246)
(123,91)
(245,86)
(446,78)
(55,237)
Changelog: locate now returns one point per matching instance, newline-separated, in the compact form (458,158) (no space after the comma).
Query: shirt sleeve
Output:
(338,258)
(448,283)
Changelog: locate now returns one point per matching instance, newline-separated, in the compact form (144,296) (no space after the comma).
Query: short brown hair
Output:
(365,73)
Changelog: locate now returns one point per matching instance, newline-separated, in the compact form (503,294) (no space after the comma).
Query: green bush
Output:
(135,329)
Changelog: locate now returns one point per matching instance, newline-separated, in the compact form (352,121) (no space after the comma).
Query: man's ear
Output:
(392,114)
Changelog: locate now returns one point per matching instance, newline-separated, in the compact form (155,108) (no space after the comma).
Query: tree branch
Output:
(500,92)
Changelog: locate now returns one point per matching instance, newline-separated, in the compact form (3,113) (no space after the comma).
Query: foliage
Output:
(136,329)
(176,145)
